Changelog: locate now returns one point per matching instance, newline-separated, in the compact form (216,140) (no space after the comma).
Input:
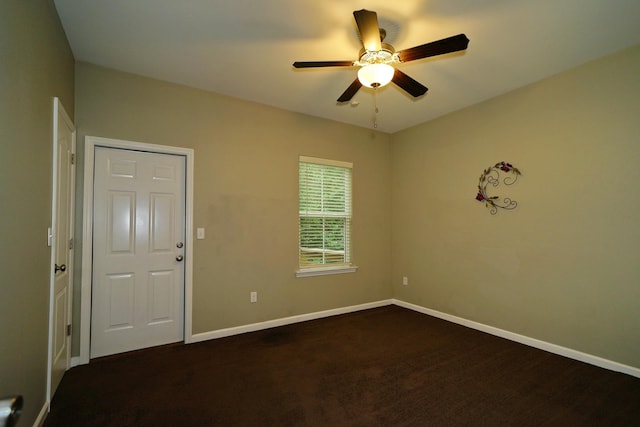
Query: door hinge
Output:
(73,158)
(68,330)
(71,243)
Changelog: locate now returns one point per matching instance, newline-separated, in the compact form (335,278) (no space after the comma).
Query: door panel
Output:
(160,296)
(120,222)
(139,227)
(120,303)
(162,216)
(60,325)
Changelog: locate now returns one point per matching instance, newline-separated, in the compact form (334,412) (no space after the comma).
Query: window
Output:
(324,217)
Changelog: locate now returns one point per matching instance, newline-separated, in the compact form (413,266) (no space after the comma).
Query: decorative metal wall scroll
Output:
(491,176)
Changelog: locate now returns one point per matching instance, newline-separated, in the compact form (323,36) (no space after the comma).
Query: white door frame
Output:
(59,112)
(90,144)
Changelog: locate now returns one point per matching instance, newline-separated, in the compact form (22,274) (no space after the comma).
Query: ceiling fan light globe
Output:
(375,75)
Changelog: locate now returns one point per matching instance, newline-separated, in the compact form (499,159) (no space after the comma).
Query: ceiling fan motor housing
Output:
(386,55)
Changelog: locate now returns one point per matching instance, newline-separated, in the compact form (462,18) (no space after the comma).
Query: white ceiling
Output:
(245,48)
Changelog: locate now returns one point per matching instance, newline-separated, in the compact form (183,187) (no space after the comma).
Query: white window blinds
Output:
(324,213)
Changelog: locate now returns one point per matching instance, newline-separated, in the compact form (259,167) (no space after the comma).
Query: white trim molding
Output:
(42,415)
(221,333)
(531,342)
(91,142)
(75,361)
(323,271)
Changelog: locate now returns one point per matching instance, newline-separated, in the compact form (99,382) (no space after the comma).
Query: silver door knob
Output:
(179,245)
(179,258)
(10,410)
(57,268)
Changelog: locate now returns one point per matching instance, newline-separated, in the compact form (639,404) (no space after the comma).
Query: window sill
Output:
(322,271)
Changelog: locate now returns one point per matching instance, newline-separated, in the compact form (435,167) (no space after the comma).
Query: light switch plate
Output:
(200,233)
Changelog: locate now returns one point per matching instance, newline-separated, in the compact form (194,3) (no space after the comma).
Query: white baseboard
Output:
(42,415)
(75,361)
(532,342)
(220,333)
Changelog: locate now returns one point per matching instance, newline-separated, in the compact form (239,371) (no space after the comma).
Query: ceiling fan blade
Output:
(351,90)
(367,22)
(312,64)
(450,44)
(409,85)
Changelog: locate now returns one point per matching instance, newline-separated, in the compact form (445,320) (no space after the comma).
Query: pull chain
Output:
(375,108)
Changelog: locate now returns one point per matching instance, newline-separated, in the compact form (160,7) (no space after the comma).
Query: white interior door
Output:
(62,247)
(138,250)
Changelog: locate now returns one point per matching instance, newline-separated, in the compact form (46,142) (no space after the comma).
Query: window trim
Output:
(326,269)
(326,162)
(323,271)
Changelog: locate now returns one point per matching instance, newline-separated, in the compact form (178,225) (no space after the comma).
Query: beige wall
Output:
(246,165)
(36,64)
(564,267)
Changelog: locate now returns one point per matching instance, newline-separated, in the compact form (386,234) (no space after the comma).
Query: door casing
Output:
(91,142)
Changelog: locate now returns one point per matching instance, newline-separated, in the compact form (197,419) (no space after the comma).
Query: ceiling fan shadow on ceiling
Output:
(377,59)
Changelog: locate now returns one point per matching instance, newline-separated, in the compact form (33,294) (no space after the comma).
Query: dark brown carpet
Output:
(382,367)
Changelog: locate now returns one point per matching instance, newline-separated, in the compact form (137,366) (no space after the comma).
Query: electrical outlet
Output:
(253,297)
(405,280)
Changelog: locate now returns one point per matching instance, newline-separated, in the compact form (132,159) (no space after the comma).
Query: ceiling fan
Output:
(376,58)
